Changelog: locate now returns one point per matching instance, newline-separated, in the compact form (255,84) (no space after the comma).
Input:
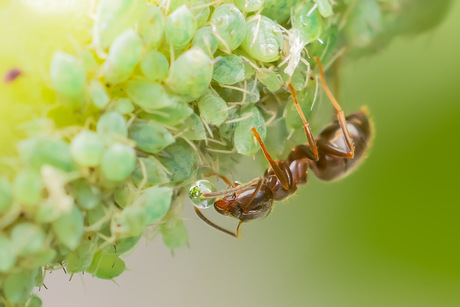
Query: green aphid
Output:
(324,8)
(39,259)
(118,162)
(191,74)
(305,98)
(68,77)
(112,124)
(18,286)
(263,40)
(151,27)
(7,254)
(193,128)
(155,65)
(131,221)
(124,106)
(172,115)
(27,188)
(86,148)
(44,150)
(124,54)
(98,94)
(81,258)
(47,212)
(229,69)
(34,301)
(106,266)
(228,26)
(243,137)
(201,14)
(174,234)
(279,10)
(270,79)
(227,130)
(122,194)
(94,216)
(156,203)
(364,23)
(180,27)
(88,61)
(205,41)
(213,109)
(249,5)
(155,173)
(6,199)
(115,16)
(307,21)
(27,239)
(122,245)
(148,95)
(253,94)
(327,49)
(86,196)
(69,228)
(249,71)
(180,159)
(150,137)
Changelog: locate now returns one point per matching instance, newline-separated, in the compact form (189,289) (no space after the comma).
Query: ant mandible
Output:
(339,148)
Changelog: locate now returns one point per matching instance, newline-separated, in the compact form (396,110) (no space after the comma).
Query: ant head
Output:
(196,194)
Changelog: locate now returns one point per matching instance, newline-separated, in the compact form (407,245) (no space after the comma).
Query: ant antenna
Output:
(340,114)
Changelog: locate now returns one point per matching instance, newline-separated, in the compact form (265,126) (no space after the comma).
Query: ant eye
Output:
(196,194)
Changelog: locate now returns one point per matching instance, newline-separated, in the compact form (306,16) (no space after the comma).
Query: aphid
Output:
(155,65)
(118,162)
(69,228)
(338,149)
(149,136)
(229,69)
(86,148)
(180,27)
(228,26)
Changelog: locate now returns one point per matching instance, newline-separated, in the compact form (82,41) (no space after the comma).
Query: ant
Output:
(339,148)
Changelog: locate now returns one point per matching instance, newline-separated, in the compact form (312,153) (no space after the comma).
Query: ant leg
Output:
(340,114)
(306,126)
(225,179)
(236,234)
(278,172)
(236,189)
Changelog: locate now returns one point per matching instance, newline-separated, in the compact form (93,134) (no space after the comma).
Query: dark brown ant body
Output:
(338,149)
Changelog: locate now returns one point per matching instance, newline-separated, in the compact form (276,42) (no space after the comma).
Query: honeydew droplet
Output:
(27,239)
(213,109)
(67,75)
(86,148)
(157,203)
(180,27)
(27,188)
(229,69)
(155,65)
(69,228)
(98,94)
(118,162)
(196,194)
(150,137)
(148,95)
(228,26)
(112,124)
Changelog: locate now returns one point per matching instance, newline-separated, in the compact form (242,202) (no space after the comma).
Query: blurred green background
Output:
(388,235)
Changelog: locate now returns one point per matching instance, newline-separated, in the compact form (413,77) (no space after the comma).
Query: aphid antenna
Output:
(312,10)
(222,151)
(214,32)
(218,142)
(316,93)
(201,6)
(231,121)
(208,129)
(235,88)
(250,63)
(256,32)
(271,113)
(144,175)
(200,155)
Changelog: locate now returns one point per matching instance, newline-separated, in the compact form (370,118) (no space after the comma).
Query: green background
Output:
(388,235)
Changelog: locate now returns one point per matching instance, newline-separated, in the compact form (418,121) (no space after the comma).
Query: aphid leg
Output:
(306,126)
(278,172)
(340,114)
(236,234)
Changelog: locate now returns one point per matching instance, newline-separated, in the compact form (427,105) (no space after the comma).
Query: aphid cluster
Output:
(153,95)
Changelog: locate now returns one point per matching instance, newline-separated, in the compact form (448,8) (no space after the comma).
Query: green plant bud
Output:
(155,65)
(118,162)
(148,95)
(124,106)
(193,128)
(151,27)
(180,27)
(115,16)
(229,69)
(155,173)
(18,286)
(112,123)
(7,254)
(150,137)
(249,5)
(156,203)
(86,148)
(69,228)
(324,8)
(309,23)
(131,221)
(68,75)
(81,258)
(263,40)
(123,245)
(40,151)
(27,239)
(124,54)
(180,160)
(213,109)
(6,199)
(191,74)
(47,212)
(243,137)
(34,301)
(173,115)
(98,94)
(106,266)
(174,234)
(270,79)
(229,27)
(205,41)
(87,197)
(27,188)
